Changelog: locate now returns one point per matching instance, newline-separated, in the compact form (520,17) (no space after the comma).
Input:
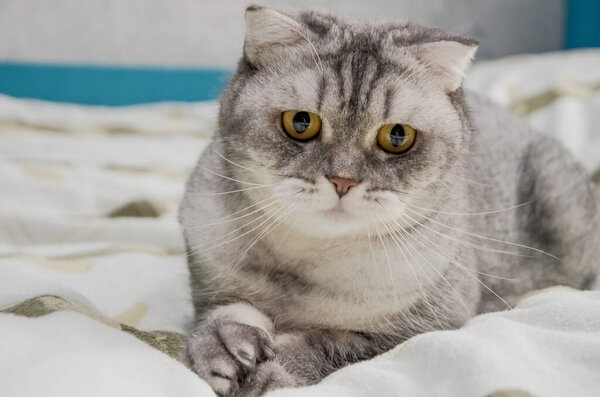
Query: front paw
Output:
(268,376)
(226,353)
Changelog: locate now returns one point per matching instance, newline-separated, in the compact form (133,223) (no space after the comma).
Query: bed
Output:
(94,297)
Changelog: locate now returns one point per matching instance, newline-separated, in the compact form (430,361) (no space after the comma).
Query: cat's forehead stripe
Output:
(377,76)
(360,71)
(337,68)
(359,63)
(321,94)
(387,103)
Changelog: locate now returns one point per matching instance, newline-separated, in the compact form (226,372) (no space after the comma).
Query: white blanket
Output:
(70,175)
(549,345)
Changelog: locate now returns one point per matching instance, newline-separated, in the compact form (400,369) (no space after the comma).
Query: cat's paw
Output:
(225,352)
(269,376)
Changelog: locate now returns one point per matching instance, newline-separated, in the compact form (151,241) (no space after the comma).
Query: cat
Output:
(354,196)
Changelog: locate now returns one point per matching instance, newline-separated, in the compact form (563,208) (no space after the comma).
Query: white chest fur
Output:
(356,283)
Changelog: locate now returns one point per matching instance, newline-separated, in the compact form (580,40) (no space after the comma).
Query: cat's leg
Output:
(236,351)
(306,357)
(229,350)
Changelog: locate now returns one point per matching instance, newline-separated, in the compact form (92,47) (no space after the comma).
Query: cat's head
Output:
(345,123)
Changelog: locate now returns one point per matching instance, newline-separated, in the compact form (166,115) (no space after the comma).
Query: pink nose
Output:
(342,185)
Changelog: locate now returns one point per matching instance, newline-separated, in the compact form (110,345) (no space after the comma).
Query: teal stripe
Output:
(583,23)
(112,86)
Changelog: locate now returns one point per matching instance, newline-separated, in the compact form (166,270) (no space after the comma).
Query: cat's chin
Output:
(333,222)
(337,214)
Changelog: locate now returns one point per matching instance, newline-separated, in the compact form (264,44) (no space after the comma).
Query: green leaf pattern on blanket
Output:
(139,209)
(170,343)
(528,105)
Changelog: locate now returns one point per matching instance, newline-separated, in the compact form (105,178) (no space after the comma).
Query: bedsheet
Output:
(94,295)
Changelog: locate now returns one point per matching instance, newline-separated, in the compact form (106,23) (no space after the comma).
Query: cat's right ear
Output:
(266,31)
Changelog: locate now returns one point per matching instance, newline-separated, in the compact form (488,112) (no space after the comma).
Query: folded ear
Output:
(267,29)
(448,58)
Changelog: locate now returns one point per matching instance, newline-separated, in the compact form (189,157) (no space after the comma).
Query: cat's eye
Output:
(396,138)
(301,125)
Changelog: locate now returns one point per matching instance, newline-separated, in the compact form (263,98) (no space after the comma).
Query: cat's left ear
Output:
(450,59)
(266,31)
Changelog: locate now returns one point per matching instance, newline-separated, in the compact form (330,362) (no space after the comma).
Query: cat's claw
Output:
(226,353)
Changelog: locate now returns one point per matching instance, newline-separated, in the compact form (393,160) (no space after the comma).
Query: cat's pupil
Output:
(301,122)
(397,135)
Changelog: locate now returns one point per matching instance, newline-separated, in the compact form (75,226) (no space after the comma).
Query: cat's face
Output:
(371,109)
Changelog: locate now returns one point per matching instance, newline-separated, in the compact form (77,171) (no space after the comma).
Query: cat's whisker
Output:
(460,266)
(238,211)
(242,166)
(433,195)
(240,235)
(404,252)
(387,257)
(213,194)
(371,251)
(285,236)
(279,218)
(395,295)
(231,179)
(485,237)
(446,255)
(230,216)
(274,200)
(372,254)
(277,200)
(283,195)
(466,179)
(470,272)
(465,242)
(235,219)
(272,226)
(224,239)
(270,214)
(403,233)
(468,213)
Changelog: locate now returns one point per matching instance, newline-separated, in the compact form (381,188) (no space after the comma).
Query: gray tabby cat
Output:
(354,196)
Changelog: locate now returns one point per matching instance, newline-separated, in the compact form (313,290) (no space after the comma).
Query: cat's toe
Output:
(213,363)
(225,354)
(269,376)
(249,345)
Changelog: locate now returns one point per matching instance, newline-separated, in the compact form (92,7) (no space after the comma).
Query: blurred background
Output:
(116,52)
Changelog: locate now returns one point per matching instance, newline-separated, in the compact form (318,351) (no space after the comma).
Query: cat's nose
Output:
(342,185)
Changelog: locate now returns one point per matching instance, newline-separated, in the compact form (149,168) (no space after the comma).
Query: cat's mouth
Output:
(337,213)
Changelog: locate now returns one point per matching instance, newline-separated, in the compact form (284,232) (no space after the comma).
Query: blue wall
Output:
(113,86)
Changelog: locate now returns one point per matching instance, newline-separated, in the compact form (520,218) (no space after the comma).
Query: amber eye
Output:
(396,138)
(301,125)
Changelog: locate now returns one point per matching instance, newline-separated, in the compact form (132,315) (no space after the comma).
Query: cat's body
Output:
(290,280)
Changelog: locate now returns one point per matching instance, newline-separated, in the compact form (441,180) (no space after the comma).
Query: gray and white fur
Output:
(291,281)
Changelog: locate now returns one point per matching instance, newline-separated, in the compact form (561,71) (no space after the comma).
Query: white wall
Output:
(210,33)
